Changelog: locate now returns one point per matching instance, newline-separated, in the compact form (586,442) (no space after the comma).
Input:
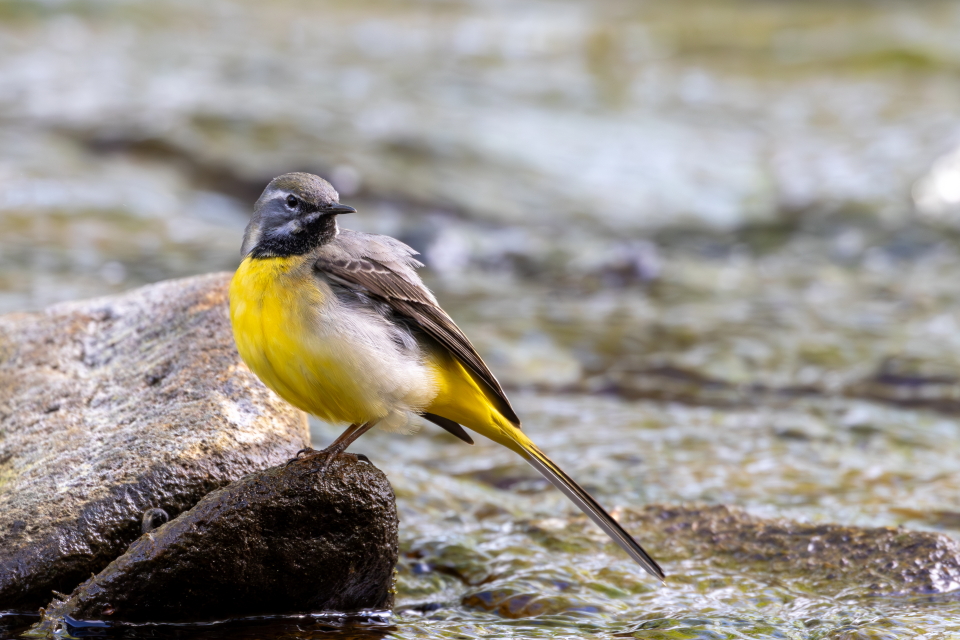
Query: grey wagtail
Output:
(339,324)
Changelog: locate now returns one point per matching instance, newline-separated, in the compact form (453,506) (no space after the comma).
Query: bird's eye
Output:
(292,202)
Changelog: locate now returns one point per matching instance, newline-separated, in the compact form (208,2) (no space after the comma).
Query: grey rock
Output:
(114,406)
(819,558)
(290,539)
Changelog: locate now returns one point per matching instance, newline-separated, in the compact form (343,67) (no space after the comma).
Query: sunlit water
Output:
(709,247)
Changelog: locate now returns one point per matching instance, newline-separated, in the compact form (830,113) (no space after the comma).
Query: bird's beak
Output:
(339,209)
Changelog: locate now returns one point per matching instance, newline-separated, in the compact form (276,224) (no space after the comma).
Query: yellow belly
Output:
(272,310)
(273,303)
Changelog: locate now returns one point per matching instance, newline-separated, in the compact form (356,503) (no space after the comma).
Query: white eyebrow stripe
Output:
(270,195)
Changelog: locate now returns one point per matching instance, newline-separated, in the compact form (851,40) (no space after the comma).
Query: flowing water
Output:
(709,247)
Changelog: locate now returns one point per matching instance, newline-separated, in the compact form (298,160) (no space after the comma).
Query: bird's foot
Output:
(327,454)
(309,451)
(330,453)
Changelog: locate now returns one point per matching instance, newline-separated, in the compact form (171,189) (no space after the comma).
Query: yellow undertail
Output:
(462,399)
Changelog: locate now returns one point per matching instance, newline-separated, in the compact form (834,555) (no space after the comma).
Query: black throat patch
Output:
(278,243)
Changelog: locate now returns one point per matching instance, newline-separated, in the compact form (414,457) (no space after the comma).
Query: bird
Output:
(338,323)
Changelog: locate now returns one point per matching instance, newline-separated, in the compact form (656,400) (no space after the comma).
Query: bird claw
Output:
(328,458)
(329,454)
(297,456)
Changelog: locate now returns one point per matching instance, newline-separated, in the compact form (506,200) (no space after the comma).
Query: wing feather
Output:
(383,268)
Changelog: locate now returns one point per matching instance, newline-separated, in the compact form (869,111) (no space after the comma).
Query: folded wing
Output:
(383,268)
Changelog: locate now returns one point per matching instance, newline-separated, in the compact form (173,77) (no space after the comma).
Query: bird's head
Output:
(296,213)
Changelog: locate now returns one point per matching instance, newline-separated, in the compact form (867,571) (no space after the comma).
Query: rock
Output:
(290,539)
(112,407)
(825,558)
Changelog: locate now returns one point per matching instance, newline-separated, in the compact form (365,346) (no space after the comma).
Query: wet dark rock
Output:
(290,539)
(827,558)
(114,406)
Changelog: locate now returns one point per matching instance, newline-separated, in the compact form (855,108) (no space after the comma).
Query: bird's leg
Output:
(310,451)
(340,445)
(347,438)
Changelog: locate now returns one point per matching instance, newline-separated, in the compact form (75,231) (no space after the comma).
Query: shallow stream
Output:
(711,248)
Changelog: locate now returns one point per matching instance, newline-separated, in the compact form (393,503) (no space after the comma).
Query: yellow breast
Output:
(273,310)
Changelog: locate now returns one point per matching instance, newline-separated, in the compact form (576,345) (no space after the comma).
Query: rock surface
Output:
(113,406)
(290,539)
(826,558)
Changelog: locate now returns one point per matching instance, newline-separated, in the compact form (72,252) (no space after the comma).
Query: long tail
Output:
(462,400)
(549,470)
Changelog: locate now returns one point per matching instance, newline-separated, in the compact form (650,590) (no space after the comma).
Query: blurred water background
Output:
(710,247)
